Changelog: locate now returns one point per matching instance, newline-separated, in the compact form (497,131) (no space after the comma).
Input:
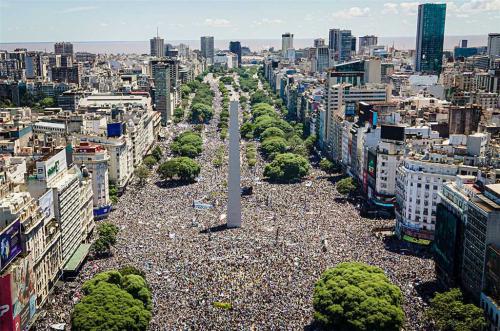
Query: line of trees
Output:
(281,142)
(201,106)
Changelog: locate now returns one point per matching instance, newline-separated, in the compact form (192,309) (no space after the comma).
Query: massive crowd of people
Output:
(264,271)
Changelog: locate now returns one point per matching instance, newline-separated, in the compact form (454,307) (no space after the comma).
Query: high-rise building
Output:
(235,47)
(157,46)
(353,44)
(430,37)
(339,42)
(286,42)
(207,48)
(161,76)
(365,42)
(493,45)
(322,58)
(319,42)
(63,48)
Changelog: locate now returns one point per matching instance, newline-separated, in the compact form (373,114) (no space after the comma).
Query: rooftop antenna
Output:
(157,34)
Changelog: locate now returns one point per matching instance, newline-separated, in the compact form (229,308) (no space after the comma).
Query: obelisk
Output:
(234,188)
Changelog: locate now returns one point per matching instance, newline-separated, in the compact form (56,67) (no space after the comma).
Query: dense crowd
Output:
(265,270)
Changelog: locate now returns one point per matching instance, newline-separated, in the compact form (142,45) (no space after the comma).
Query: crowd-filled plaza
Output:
(265,270)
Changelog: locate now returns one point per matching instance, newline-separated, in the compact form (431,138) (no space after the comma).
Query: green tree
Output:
(178,114)
(287,167)
(261,109)
(47,102)
(106,237)
(115,302)
(328,166)
(246,130)
(273,145)
(182,168)
(310,142)
(346,186)
(272,132)
(259,97)
(157,153)
(149,161)
(185,90)
(354,296)
(226,80)
(201,113)
(450,313)
(142,173)
(188,144)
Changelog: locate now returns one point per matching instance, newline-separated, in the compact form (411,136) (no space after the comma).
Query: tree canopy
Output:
(106,237)
(113,301)
(450,313)
(272,132)
(273,145)
(188,143)
(346,186)
(287,167)
(181,168)
(201,113)
(357,297)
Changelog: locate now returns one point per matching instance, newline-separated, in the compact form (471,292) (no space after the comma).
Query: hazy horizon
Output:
(255,44)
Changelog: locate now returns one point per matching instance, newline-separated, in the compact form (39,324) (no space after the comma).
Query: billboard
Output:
(392,132)
(46,203)
(46,170)
(372,164)
(350,108)
(10,243)
(17,296)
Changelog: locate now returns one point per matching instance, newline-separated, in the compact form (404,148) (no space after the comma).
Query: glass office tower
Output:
(430,37)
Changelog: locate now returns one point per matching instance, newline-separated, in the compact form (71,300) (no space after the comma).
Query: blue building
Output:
(430,37)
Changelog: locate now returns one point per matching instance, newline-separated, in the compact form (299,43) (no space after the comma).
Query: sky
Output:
(127,20)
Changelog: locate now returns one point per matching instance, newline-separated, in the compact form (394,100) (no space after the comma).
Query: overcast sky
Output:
(96,20)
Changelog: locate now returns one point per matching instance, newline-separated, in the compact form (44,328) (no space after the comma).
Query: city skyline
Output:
(187,20)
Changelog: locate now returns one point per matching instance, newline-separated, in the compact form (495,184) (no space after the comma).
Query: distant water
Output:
(142,47)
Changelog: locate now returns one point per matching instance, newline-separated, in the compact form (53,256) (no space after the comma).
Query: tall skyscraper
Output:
(493,45)
(207,48)
(430,37)
(365,42)
(235,47)
(157,46)
(339,42)
(161,75)
(63,48)
(286,42)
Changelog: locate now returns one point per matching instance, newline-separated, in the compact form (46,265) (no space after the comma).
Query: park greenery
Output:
(106,238)
(114,300)
(449,313)
(355,296)
(183,169)
(346,186)
(188,143)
